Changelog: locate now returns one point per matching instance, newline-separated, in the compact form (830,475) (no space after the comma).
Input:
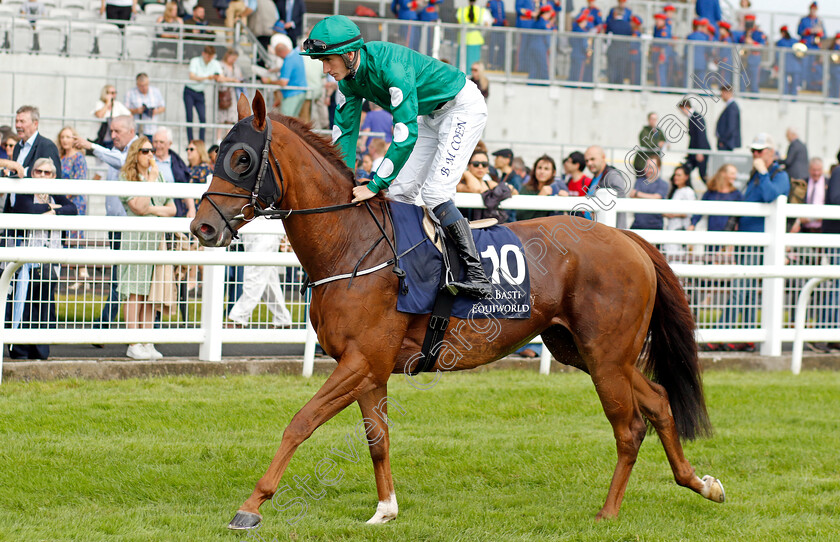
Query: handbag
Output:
(225,98)
(492,198)
(163,292)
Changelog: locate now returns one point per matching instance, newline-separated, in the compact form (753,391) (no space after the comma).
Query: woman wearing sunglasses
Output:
(135,280)
(438,119)
(33,300)
(478,180)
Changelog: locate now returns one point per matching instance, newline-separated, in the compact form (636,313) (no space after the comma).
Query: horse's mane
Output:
(321,144)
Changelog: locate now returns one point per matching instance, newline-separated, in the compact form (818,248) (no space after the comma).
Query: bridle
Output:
(259,204)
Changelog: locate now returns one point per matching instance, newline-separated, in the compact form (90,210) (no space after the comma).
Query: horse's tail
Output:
(670,354)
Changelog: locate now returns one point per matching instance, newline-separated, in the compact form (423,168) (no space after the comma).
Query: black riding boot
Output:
(476,284)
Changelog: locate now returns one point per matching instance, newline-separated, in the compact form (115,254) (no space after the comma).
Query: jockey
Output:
(438,119)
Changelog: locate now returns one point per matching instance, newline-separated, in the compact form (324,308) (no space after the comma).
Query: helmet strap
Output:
(352,65)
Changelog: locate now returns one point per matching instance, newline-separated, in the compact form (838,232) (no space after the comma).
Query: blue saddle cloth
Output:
(501,254)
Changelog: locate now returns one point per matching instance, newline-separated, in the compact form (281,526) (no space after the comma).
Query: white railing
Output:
(769,329)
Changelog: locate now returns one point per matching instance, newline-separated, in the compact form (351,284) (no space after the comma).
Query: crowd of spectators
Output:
(134,147)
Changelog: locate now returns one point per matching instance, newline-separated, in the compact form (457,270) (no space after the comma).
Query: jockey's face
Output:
(334,65)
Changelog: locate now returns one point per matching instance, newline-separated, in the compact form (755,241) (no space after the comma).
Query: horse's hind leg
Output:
(374,406)
(653,400)
(616,394)
(348,382)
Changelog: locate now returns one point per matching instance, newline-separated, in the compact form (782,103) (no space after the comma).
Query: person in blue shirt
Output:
(660,52)
(724,53)
(591,10)
(618,23)
(406,10)
(754,37)
(768,180)
(526,13)
(496,40)
(580,67)
(696,73)
(292,74)
(813,63)
(430,14)
(649,186)
(792,73)
(538,45)
(709,10)
(810,25)
(834,69)
(635,52)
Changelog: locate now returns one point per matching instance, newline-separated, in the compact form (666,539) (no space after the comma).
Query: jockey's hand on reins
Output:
(361,193)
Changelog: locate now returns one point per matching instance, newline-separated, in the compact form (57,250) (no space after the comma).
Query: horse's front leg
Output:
(374,406)
(350,380)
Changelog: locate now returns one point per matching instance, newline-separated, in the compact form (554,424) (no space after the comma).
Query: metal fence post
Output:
(212,310)
(773,290)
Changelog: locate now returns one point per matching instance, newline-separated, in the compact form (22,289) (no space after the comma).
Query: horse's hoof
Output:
(243,521)
(385,511)
(713,489)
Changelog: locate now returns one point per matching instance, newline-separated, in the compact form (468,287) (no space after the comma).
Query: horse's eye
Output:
(241,163)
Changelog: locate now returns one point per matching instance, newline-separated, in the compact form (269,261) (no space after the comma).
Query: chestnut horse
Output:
(604,301)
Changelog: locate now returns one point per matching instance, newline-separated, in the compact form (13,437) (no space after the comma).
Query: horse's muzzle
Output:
(209,235)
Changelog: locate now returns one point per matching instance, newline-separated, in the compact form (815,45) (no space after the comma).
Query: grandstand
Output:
(551,115)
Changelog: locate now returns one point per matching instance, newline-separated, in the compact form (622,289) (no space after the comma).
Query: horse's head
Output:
(242,178)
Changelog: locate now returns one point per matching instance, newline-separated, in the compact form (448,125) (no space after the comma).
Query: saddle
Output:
(431,226)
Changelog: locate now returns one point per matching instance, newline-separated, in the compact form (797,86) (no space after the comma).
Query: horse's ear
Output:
(242,107)
(259,112)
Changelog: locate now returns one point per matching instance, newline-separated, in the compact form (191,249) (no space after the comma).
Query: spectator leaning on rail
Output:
(438,120)
(649,186)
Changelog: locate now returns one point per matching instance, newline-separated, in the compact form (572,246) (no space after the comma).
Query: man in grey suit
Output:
(796,162)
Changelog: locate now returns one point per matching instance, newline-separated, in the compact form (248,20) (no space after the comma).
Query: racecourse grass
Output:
(492,456)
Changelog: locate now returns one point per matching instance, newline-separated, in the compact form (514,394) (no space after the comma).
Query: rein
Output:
(252,210)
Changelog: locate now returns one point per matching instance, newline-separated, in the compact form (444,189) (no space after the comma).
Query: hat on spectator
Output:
(784,28)
(699,22)
(661,16)
(546,8)
(749,17)
(724,24)
(813,4)
(669,7)
(763,141)
(504,153)
(635,19)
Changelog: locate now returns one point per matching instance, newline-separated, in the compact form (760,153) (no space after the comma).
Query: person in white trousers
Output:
(260,282)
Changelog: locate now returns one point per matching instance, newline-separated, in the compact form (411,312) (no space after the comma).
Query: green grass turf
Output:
(481,456)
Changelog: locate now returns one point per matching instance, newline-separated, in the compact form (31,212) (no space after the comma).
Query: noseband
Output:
(267,202)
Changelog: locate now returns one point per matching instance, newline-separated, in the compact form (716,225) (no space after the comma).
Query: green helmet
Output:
(334,35)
